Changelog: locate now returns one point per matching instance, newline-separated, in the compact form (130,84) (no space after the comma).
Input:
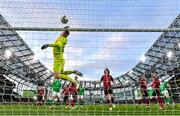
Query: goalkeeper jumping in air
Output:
(59,61)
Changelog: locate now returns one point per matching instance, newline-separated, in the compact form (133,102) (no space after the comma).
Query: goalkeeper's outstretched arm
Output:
(56,44)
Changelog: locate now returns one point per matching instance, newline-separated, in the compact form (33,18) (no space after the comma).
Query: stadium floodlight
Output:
(126,82)
(169,54)
(48,71)
(143,59)
(35,58)
(7,54)
(179,44)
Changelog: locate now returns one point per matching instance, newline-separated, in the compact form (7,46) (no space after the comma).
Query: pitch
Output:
(123,109)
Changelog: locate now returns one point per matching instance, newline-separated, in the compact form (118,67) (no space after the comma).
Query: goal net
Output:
(137,41)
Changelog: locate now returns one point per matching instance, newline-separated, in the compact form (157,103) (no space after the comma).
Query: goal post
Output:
(92,29)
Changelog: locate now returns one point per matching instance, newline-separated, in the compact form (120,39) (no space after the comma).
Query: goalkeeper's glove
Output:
(44,46)
(78,73)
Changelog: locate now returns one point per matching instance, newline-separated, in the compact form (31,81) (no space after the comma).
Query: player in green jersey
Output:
(164,91)
(81,92)
(59,61)
(56,85)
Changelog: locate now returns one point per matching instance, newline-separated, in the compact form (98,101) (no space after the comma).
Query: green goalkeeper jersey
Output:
(56,85)
(81,91)
(164,86)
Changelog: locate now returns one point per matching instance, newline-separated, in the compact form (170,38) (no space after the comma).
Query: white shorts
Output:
(165,93)
(55,94)
(80,96)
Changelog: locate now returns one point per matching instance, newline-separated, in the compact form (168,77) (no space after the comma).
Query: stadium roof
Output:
(21,62)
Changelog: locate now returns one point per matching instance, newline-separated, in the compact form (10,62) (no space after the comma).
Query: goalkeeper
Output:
(59,61)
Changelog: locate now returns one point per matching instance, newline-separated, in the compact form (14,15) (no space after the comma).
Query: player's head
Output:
(76,78)
(65,33)
(154,74)
(106,71)
(143,76)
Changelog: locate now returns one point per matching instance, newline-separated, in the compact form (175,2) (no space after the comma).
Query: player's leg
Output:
(65,101)
(68,72)
(168,99)
(110,102)
(81,100)
(146,99)
(165,98)
(68,78)
(74,100)
(106,95)
(78,100)
(109,99)
(112,97)
(58,68)
(57,95)
(160,100)
(53,97)
(39,100)
(154,95)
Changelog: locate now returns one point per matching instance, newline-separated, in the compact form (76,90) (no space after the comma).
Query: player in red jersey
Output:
(41,92)
(66,93)
(143,88)
(156,90)
(73,92)
(107,79)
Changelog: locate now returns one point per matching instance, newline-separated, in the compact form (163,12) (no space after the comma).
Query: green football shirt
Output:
(81,91)
(164,86)
(56,85)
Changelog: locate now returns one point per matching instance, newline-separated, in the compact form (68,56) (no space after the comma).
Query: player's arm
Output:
(56,44)
(145,82)
(112,79)
(96,82)
(63,90)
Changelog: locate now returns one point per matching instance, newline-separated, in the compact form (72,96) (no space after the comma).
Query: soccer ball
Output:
(64,20)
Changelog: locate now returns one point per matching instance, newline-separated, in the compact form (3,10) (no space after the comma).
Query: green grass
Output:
(87,110)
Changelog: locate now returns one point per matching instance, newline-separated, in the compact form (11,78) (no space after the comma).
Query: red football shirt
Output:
(142,84)
(66,91)
(73,88)
(41,91)
(106,79)
(155,83)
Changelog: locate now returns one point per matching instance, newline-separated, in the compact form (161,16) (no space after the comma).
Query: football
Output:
(64,20)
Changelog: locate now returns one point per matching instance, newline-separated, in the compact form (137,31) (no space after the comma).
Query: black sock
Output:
(112,99)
